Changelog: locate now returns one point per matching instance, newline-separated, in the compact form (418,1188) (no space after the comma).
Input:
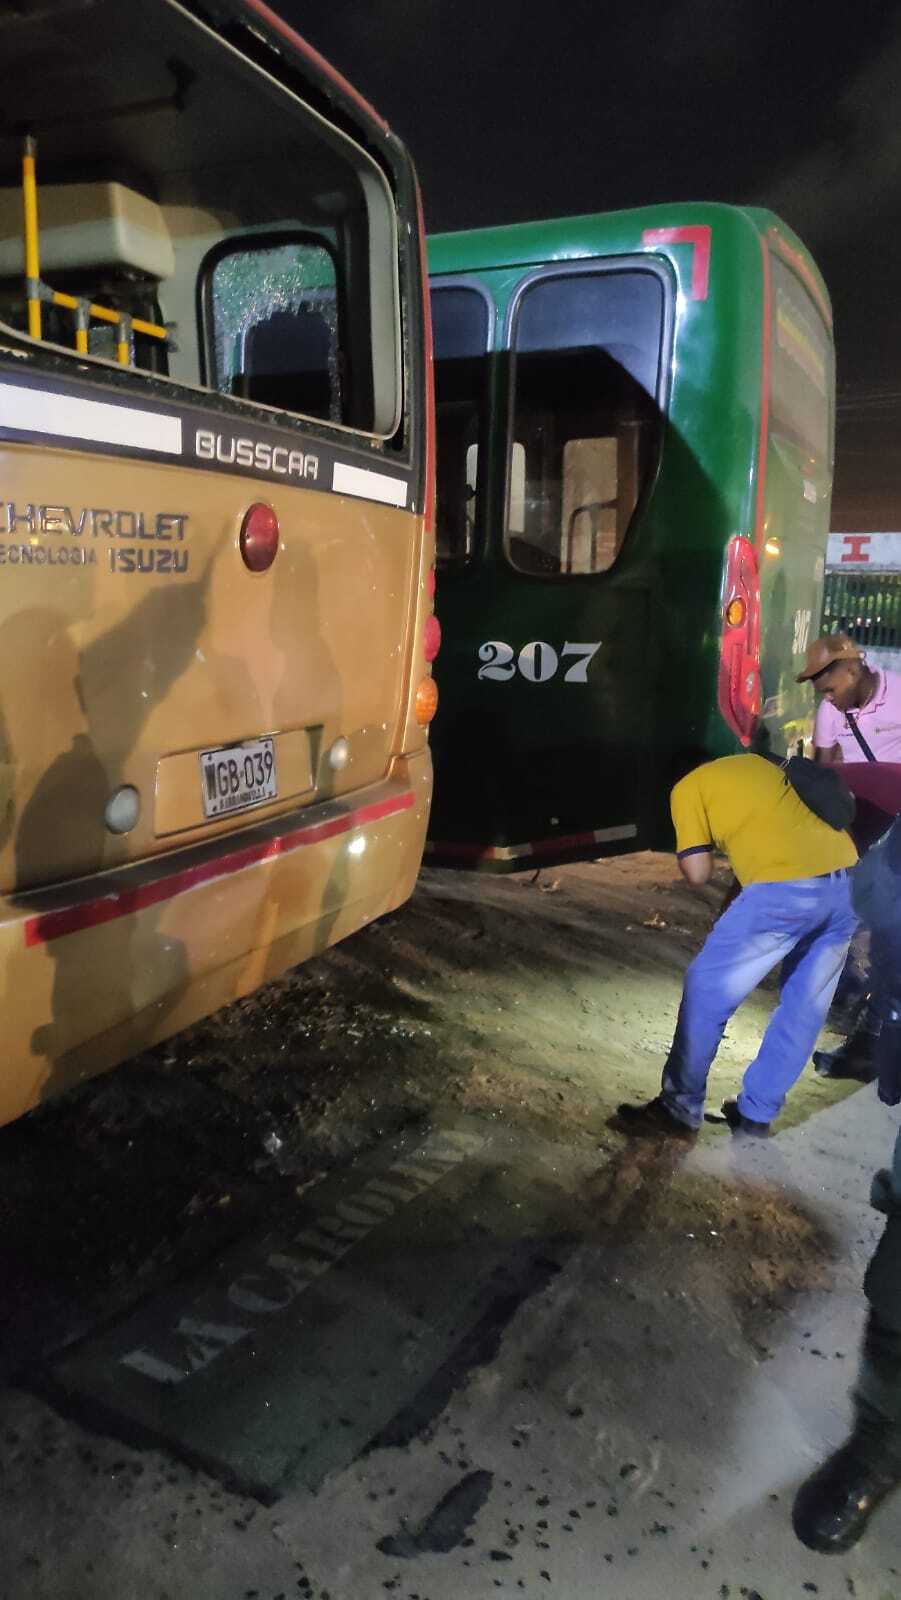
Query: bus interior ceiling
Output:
(146,98)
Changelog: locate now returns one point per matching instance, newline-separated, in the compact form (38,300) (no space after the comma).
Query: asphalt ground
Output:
(352,1292)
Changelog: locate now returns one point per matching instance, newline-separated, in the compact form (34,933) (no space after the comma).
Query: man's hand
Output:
(697,868)
(828,755)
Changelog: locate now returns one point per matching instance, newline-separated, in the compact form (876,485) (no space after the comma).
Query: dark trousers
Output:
(878,1393)
(877,899)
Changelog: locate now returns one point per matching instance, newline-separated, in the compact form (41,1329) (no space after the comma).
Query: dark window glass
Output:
(586,423)
(461,330)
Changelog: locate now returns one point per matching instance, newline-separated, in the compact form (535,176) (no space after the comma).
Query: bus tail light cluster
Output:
(427,694)
(739,670)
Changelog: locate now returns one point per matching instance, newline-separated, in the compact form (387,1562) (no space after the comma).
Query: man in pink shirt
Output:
(859,714)
(858,720)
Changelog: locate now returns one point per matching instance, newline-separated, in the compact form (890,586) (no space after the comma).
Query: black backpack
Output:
(820,788)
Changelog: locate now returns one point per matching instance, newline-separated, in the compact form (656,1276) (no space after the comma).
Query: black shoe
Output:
(652,1121)
(744,1125)
(832,1508)
(852,1060)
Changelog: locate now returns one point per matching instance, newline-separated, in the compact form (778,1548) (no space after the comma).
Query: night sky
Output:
(513,111)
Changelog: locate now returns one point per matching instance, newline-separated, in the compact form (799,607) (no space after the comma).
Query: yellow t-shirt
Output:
(743,806)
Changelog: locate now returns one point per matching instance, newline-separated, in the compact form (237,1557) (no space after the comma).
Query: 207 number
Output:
(537,662)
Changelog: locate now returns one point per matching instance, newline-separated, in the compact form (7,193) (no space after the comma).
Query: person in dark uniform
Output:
(834,1505)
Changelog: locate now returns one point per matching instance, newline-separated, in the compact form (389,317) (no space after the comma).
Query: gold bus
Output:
(216,545)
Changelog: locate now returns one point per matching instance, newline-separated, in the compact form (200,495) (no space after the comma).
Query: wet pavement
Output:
(287,1356)
(508,1373)
(445,1353)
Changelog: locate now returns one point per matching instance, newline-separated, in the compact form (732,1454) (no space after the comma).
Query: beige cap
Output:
(824,652)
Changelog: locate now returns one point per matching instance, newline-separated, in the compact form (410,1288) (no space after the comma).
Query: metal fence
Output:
(866,605)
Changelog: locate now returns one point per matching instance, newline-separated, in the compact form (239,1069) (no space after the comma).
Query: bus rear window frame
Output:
(300,87)
(594,266)
(448,565)
(243,244)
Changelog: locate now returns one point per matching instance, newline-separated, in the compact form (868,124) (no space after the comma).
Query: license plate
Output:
(238,777)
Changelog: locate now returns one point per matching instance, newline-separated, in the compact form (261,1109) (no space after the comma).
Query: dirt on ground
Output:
(540,1000)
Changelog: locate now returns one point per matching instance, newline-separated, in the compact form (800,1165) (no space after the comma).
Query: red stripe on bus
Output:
(764,400)
(697,235)
(50,925)
(319,62)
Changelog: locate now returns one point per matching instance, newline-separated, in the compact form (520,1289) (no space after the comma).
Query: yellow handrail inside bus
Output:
(32,260)
(36,290)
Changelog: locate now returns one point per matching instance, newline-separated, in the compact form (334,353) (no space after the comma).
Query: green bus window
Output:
(276,328)
(461,324)
(801,366)
(586,424)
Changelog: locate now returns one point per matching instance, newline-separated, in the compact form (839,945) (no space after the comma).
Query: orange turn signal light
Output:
(426,701)
(735,613)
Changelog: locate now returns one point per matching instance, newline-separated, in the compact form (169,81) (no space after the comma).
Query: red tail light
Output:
(431,643)
(739,674)
(259,537)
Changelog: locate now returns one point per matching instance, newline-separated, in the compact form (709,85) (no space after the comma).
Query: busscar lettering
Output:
(255,454)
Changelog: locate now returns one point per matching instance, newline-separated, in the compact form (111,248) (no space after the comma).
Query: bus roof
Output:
(527,244)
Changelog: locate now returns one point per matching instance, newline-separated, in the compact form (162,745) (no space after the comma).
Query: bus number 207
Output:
(537,662)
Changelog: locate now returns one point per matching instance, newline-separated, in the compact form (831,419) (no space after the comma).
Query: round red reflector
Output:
(259,537)
(431,642)
(735,613)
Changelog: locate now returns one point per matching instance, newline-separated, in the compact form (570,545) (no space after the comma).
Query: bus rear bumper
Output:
(96,970)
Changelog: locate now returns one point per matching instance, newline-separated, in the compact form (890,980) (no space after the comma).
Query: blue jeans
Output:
(807,924)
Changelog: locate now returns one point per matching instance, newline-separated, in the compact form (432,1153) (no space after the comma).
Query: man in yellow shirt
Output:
(794,907)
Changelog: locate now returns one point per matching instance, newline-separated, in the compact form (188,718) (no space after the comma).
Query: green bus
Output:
(635,444)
